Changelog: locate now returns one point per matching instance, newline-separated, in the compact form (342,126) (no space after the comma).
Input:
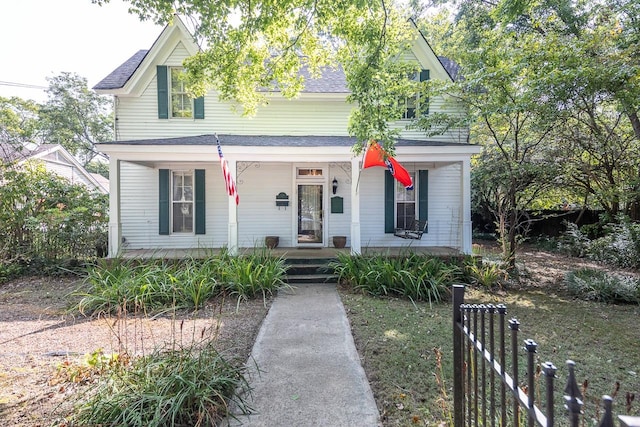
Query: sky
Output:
(43,38)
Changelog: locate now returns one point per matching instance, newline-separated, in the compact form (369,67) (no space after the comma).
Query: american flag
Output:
(228,179)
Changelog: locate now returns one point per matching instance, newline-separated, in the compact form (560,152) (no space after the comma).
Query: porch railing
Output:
(486,395)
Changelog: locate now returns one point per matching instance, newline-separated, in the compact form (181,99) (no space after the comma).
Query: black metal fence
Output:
(485,394)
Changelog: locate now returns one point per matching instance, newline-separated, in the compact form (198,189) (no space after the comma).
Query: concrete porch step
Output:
(309,270)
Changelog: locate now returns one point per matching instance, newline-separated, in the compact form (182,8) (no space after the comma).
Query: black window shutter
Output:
(200,202)
(163,92)
(198,108)
(389,202)
(423,195)
(163,198)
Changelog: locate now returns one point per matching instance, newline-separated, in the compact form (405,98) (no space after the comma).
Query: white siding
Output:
(138,118)
(444,209)
(339,224)
(139,208)
(258,215)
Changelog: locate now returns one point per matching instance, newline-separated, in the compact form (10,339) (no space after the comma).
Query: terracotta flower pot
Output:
(339,241)
(271,241)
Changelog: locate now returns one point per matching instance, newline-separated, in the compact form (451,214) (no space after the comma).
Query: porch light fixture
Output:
(335,185)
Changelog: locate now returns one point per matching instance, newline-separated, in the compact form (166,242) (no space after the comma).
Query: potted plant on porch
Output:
(339,242)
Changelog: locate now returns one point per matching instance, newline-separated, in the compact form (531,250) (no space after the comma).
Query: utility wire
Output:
(25,85)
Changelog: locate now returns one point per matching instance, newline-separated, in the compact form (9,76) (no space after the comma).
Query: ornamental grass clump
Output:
(119,285)
(412,276)
(190,386)
(253,274)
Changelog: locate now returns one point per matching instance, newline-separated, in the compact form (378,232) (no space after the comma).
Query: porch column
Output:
(232,236)
(465,232)
(115,226)
(356,248)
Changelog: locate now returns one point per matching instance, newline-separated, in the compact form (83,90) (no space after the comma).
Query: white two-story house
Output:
(296,175)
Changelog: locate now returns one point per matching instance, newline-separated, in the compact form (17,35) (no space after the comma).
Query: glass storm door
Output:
(310,213)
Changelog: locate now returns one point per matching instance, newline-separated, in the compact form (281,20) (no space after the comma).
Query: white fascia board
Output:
(209,153)
(196,153)
(157,55)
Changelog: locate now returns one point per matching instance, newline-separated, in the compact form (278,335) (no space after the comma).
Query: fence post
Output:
(514,325)
(573,397)
(458,357)
(550,373)
(531,347)
(607,419)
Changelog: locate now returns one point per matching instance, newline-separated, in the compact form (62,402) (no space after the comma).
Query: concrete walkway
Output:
(309,371)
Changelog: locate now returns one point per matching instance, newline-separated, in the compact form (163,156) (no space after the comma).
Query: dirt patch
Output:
(38,335)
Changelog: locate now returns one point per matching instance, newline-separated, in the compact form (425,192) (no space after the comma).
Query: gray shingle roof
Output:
(119,77)
(272,141)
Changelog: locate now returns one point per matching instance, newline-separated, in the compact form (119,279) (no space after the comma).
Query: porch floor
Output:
(286,252)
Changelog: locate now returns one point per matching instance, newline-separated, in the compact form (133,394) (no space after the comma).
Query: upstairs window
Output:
(414,105)
(173,100)
(181,103)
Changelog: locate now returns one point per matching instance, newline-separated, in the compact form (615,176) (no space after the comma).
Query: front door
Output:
(310,218)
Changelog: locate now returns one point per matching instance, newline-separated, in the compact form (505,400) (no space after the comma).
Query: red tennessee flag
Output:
(376,156)
(228,179)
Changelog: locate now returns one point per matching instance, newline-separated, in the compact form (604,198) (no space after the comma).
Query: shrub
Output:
(45,219)
(574,241)
(595,285)
(191,386)
(620,246)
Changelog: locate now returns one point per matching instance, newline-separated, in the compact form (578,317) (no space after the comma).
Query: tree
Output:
(18,125)
(75,117)
(249,46)
(590,73)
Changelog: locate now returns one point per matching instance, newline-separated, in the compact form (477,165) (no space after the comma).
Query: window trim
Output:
(421,187)
(165,217)
(414,202)
(173,202)
(181,92)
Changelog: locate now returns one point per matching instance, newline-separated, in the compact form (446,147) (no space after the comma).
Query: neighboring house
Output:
(168,190)
(58,160)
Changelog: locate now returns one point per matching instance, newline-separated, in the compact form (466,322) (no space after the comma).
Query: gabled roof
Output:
(19,155)
(122,74)
(332,80)
(272,141)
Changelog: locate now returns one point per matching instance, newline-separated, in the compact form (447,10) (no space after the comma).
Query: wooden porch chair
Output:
(415,230)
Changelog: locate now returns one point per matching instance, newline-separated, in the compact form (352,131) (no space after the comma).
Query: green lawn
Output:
(400,342)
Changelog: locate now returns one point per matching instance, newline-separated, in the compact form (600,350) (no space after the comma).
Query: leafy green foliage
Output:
(413,276)
(252,48)
(619,246)
(253,274)
(135,286)
(45,219)
(596,285)
(487,274)
(75,116)
(190,386)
